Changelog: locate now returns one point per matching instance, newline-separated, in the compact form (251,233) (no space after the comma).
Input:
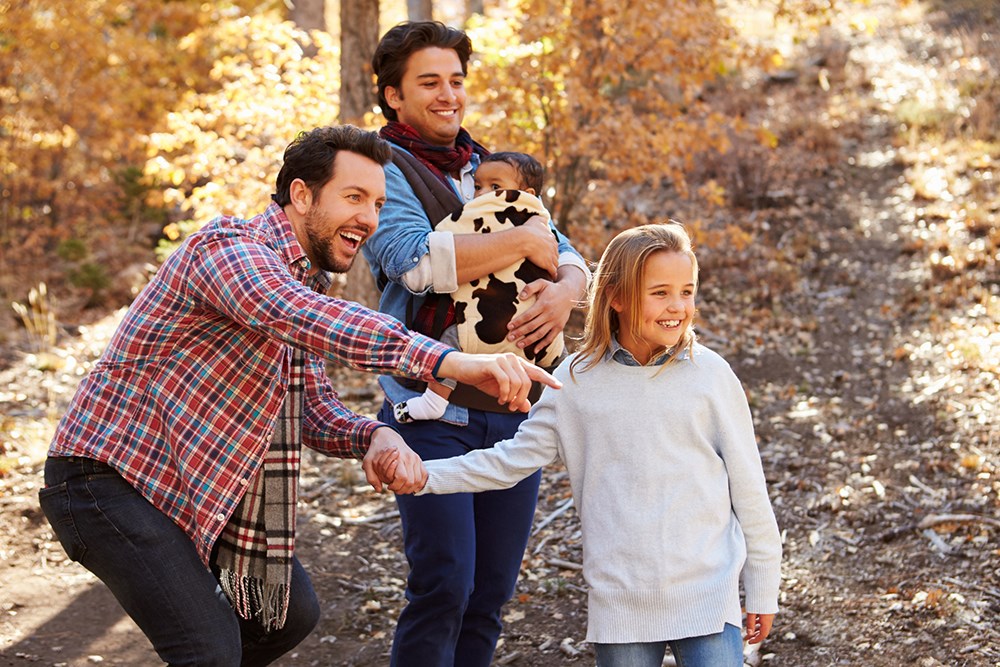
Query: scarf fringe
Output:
(254,600)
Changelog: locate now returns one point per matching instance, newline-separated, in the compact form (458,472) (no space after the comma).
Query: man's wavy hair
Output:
(401,41)
(620,276)
(311,154)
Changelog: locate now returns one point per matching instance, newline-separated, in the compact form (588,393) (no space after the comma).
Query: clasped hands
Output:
(390,462)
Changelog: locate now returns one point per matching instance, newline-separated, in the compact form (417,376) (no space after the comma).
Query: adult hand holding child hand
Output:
(390,462)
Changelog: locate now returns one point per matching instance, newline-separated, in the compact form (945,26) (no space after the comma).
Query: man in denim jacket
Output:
(464,550)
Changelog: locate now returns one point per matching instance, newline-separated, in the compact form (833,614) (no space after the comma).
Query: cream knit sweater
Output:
(669,488)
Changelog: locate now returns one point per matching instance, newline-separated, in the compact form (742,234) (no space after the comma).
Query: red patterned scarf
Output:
(441,160)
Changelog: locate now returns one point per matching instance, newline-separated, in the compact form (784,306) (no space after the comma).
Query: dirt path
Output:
(879,441)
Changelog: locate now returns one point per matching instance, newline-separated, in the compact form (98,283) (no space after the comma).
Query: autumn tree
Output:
(80,86)
(220,151)
(608,93)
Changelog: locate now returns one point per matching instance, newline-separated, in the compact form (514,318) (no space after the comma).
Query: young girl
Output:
(656,434)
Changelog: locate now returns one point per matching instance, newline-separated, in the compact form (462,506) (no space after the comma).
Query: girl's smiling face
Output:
(666,306)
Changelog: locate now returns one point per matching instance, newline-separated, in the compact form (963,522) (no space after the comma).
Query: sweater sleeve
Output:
(535,444)
(748,490)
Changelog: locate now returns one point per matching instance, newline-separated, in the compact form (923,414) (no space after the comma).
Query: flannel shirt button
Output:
(220,517)
(244,482)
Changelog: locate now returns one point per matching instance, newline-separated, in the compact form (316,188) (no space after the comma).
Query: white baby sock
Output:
(428,406)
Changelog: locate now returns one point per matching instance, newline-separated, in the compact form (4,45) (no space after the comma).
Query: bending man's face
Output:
(431,96)
(345,213)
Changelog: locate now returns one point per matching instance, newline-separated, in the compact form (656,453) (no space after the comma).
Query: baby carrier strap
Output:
(439,200)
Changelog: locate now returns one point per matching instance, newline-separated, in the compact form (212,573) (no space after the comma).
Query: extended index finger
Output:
(541,375)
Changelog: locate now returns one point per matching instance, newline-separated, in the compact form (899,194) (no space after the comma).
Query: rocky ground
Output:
(872,372)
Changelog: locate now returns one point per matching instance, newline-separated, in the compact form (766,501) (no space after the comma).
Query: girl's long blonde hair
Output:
(619,277)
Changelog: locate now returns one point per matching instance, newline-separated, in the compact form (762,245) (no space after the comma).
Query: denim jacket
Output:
(404,236)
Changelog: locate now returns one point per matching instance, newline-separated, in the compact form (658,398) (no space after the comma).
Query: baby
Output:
(507,185)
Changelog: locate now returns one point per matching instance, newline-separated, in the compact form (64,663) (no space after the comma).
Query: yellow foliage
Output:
(81,84)
(203,97)
(767,138)
(865,24)
(221,149)
(712,193)
(615,101)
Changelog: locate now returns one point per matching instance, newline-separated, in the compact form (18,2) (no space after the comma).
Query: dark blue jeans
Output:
(464,550)
(152,567)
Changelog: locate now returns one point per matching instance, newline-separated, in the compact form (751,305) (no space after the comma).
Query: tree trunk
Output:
(308,14)
(358,39)
(420,10)
(473,7)
(359,31)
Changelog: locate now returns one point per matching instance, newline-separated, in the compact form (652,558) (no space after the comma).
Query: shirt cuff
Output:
(572,259)
(444,271)
(437,366)
(418,279)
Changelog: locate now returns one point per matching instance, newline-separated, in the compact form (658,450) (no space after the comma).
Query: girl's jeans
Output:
(152,567)
(724,649)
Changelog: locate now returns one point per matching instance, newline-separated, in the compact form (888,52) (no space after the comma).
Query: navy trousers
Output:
(464,550)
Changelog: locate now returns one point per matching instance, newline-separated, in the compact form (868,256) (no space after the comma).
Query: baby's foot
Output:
(401,413)
(426,406)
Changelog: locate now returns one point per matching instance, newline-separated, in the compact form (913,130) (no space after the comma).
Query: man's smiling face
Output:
(344,213)
(431,95)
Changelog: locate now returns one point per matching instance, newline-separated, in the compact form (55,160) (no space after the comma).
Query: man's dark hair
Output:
(402,41)
(311,154)
(530,170)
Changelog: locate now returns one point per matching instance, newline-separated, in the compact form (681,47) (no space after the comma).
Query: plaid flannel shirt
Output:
(184,400)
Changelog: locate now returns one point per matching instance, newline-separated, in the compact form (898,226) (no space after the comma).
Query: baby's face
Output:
(496,176)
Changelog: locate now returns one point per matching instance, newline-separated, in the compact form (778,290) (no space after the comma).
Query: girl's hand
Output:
(389,462)
(758,627)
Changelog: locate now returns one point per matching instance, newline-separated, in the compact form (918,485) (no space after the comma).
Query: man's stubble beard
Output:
(326,258)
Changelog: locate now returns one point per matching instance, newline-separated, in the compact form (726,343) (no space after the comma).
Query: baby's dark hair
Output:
(530,170)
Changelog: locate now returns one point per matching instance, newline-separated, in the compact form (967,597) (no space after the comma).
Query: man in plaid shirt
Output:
(173,474)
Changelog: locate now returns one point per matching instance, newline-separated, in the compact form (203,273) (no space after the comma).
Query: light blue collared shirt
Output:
(626,358)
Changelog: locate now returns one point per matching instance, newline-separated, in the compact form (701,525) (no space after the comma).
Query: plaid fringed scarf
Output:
(441,160)
(253,556)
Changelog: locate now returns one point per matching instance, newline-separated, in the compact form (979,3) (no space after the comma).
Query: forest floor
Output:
(872,371)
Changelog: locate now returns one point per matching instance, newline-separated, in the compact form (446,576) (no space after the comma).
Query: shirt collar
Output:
(292,251)
(618,353)
(464,183)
